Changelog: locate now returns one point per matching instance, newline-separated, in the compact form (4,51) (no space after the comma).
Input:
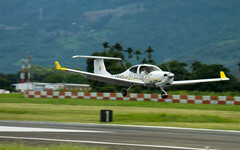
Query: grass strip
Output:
(167,117)
(213,119)
(18,98)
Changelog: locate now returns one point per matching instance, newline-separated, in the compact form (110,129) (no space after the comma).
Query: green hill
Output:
(56,30)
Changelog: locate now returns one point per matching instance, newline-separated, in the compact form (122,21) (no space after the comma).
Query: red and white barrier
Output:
(193,99)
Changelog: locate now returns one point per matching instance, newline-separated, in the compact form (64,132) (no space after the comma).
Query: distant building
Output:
(2,91)
(50,86)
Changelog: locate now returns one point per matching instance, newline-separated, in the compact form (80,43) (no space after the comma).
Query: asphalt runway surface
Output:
(117,136)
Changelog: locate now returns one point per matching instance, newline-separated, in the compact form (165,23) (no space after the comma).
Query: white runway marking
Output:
(31,129)
(162,127)
(104,143)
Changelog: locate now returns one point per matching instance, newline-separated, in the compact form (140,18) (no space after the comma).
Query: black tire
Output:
(163,95)
(124,93)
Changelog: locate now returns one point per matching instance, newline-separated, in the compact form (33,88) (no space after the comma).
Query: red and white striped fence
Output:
(193,99)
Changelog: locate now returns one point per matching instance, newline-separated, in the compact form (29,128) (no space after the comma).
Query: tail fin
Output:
(99,67)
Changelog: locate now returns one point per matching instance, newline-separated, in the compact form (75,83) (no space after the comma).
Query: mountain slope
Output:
(55,30)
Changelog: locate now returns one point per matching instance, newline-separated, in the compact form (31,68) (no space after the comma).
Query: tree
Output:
(239,66)
(38,73)
(137,53)
(149,50)
(129,51)
(144,61)
(75,78)
(204,71)
(55,78)
(178,68)
(4,83)
(105,45)
(196,65)
(118,47)
(13,78)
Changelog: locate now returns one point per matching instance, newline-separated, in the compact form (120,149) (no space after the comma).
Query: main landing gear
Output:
(124,92)
(164,93)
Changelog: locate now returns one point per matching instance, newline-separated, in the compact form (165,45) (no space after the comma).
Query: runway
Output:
(118,136)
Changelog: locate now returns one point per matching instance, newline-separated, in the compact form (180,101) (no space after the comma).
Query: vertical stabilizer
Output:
(99,67)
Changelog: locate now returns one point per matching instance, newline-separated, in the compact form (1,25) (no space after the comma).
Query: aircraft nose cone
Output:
(170,75)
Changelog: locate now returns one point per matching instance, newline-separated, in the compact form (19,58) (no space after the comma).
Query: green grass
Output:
(164,117)
(16,107)
(18,98)
(16,146)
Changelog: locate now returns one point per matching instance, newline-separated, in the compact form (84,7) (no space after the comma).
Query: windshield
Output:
(148,69)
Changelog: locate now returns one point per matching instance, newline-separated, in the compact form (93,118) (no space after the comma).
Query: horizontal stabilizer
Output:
(97,57)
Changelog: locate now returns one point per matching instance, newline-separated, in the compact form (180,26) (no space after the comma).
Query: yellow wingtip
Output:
(222,75)
(58,67)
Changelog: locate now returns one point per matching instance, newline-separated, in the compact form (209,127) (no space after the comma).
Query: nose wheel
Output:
(164,93)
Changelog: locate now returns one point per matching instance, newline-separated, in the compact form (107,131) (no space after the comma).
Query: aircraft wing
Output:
(185,82)
(102,78)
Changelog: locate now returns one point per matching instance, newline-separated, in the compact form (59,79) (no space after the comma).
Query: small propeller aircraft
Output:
(143,74)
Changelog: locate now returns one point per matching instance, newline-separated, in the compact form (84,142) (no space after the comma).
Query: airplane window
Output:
(147,69)
(150,69)
(133,69)
(144,70)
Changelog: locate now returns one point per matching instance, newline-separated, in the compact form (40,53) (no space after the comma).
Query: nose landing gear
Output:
(164,93)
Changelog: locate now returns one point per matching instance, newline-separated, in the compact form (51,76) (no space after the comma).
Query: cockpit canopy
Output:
(144,69)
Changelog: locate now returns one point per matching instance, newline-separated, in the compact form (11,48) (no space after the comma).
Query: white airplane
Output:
(143,74)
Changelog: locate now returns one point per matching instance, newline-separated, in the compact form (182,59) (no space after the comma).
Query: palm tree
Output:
(105,45)
(144,61)
(137,52)
(149,50)
(118,47)
(129,51)
(151,61)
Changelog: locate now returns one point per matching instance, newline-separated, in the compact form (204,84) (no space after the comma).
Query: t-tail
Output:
(99,66)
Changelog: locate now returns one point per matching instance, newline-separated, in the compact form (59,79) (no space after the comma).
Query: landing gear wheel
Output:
(164,95)
(124,93)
